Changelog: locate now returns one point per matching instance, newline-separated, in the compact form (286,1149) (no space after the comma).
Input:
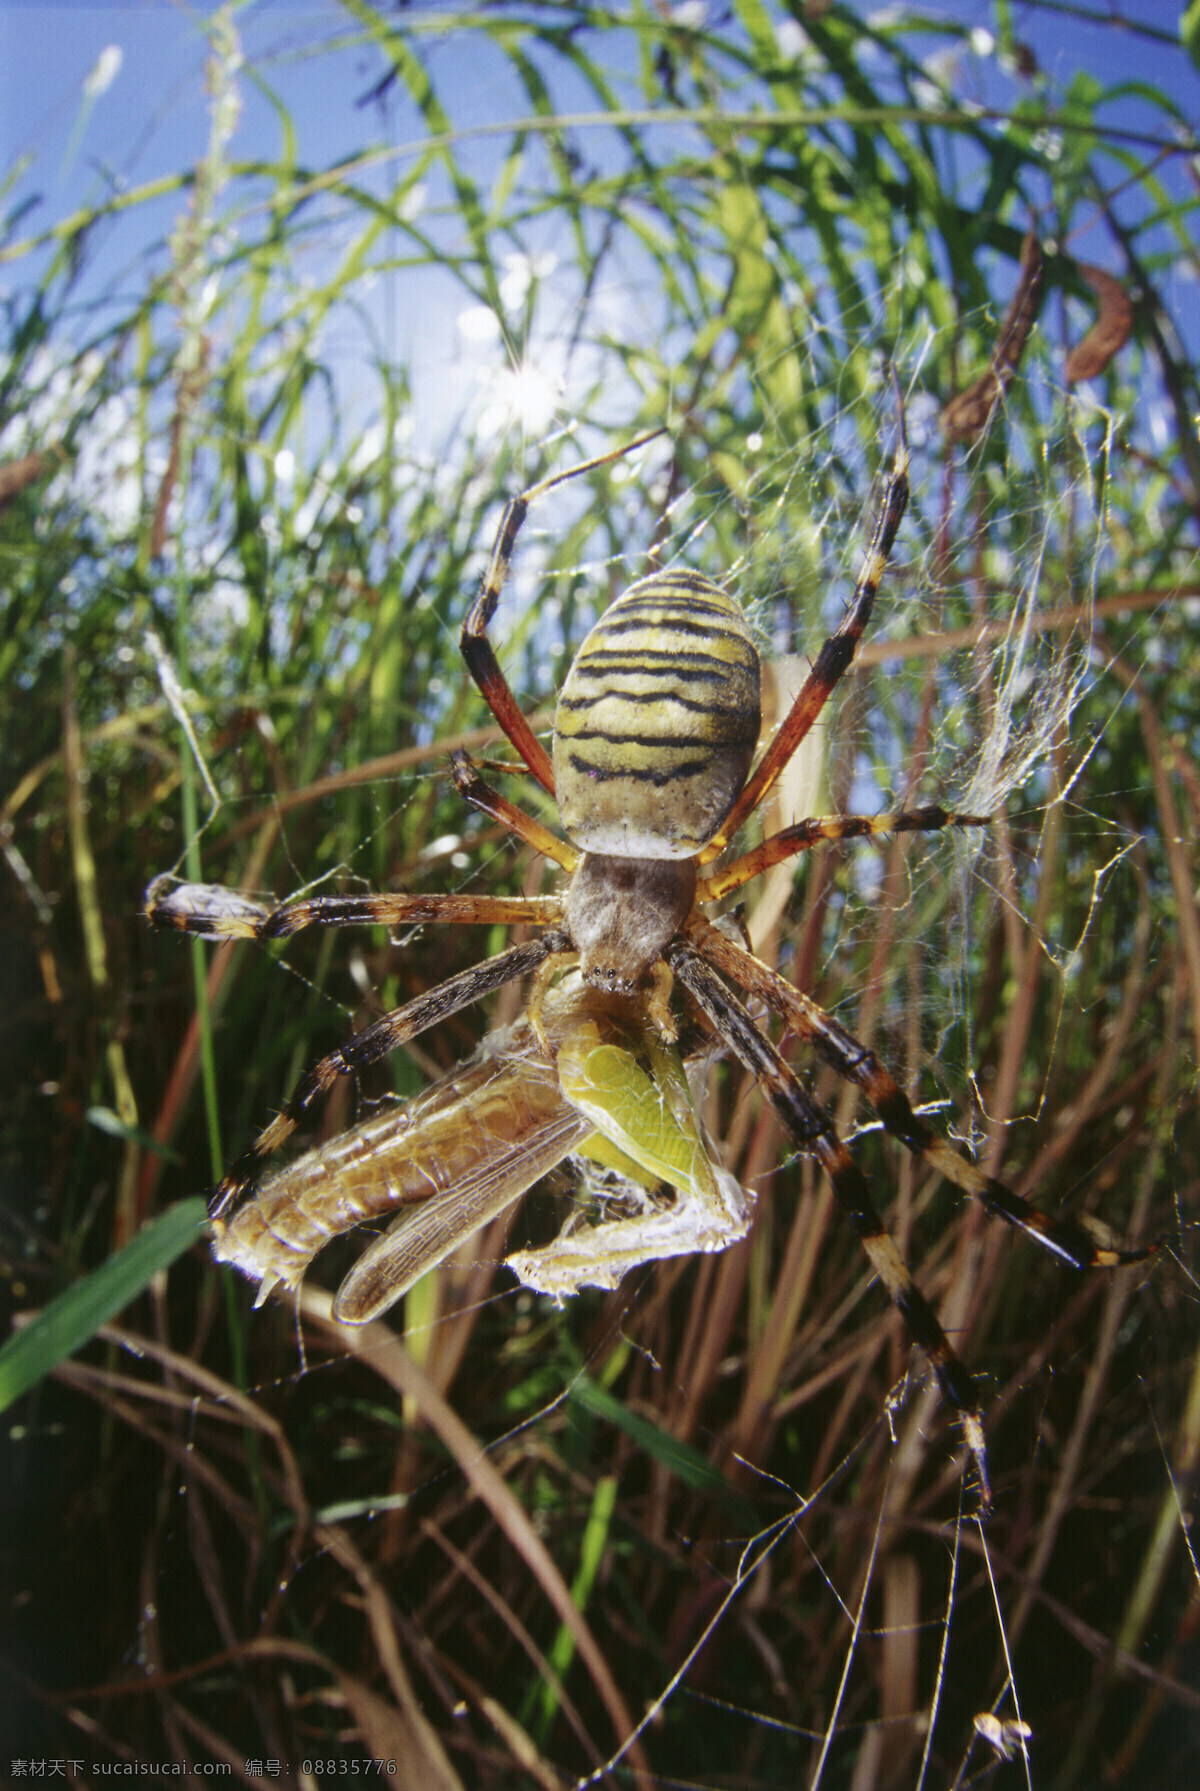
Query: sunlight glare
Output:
(527,395)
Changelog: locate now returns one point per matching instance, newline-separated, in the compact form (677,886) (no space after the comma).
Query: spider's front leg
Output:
(474,644)
(814,1132)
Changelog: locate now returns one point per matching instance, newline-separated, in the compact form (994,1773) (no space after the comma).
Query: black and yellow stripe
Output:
(658,720)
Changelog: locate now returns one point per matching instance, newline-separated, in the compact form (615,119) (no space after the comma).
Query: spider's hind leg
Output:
(481,796)
(814,1132)
(829,666)
(1069,1239)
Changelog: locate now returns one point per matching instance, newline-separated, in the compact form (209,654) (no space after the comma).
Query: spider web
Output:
(796,1513)
(715,1529)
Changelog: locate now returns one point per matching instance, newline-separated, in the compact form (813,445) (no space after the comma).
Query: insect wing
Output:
(419,1239)
(436,1168)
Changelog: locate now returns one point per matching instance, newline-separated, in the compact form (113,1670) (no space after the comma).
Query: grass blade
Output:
(66,1324)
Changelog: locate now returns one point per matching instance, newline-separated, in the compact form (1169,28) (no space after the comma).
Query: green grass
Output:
(230,1539)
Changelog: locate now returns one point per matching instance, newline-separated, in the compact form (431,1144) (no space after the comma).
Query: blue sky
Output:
(154,111)
(152,117)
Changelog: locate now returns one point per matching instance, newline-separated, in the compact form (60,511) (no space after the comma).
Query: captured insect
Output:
(652,769)
(583,1082)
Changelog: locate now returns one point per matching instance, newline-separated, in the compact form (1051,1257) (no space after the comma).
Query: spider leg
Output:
(208,910)
(480,658)
(814,1132)
(472,789)
(212,912)
(477,650)
(969,412)
(371,1044)
(803,835)
(831,662)
(1066,1238)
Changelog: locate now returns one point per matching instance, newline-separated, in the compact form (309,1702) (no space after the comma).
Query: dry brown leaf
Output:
(967,414)
(403,1736)
(1111,330)
(15,475)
